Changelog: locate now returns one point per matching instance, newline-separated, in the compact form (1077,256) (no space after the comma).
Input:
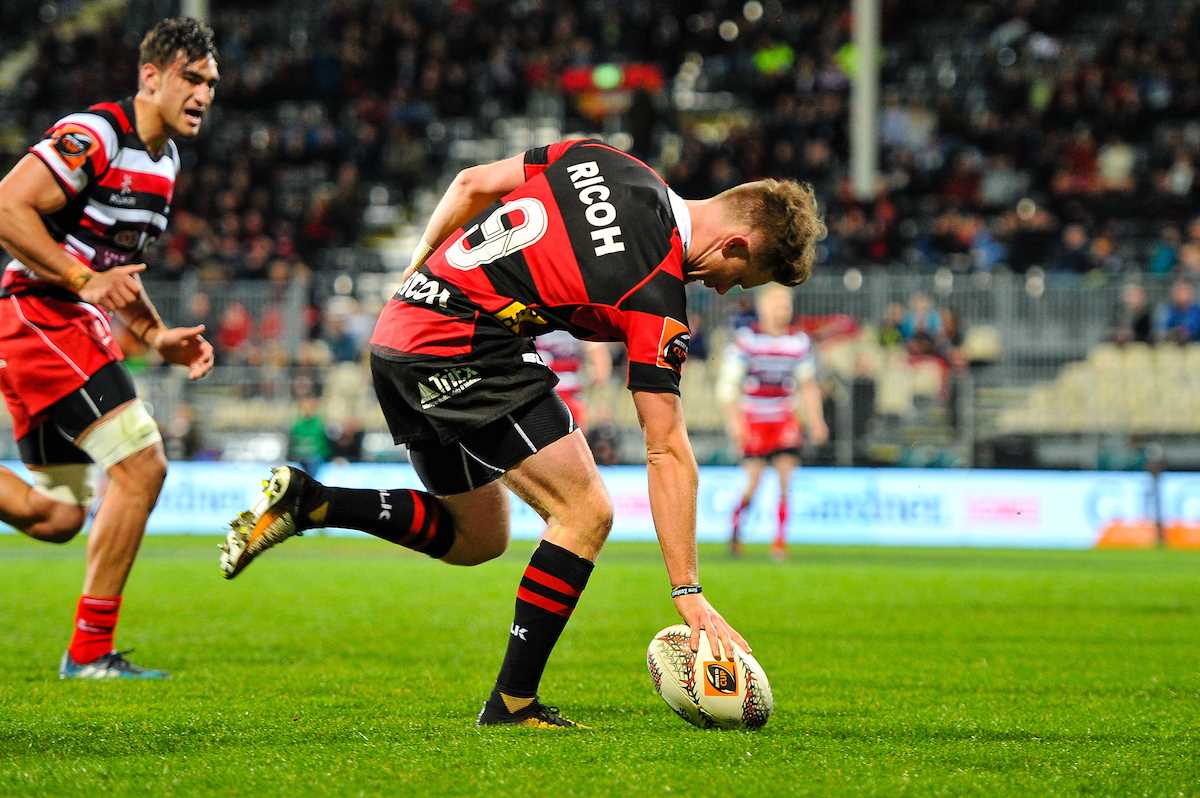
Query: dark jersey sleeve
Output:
(537,159)
(654,319)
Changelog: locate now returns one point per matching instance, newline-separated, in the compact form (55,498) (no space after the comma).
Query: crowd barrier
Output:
(1028,509)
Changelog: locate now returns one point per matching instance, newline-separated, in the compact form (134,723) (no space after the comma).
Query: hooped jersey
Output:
(763,372)
(592,243)
(118,195)
(563,354)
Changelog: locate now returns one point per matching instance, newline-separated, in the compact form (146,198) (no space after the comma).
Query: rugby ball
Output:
(703,690)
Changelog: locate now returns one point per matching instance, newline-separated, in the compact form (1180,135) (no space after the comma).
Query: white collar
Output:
(683,219)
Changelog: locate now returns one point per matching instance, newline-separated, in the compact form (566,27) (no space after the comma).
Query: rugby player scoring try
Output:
(574,236)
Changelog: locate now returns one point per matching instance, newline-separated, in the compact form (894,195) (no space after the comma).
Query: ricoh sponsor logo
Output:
(600,213)
(445,384)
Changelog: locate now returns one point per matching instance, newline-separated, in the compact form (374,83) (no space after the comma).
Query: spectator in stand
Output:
(921,325)
(1134,321)
(308,442)
(1189,260)
(346,443)
(1181,316)
(344,347)
(182,436)
(1073,254)
(890,328)
(1165,253)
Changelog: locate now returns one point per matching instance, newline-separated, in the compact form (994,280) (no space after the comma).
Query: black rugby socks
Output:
(549,589)
(410,518)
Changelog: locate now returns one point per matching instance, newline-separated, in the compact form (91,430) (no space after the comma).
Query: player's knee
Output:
(62,523)
(599,520)
(142,473)
(481,551)
(127,444)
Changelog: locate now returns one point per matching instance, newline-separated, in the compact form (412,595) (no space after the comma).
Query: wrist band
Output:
(78,277)
(419,255)
(686,590)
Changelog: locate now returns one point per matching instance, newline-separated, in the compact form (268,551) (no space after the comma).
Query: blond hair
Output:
(785,214)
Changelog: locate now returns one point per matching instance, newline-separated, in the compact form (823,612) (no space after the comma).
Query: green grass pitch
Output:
(348,667)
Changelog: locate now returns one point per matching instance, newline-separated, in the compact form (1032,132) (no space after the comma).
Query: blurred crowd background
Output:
(1029,253)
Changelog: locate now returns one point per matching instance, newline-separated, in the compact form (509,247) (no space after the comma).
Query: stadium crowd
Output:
(1014,134)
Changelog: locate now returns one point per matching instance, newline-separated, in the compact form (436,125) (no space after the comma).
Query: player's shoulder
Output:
(107,123)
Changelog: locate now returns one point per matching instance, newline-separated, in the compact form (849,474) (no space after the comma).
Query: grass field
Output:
(345,666)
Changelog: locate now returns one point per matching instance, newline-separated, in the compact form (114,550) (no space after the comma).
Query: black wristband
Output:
(685,590)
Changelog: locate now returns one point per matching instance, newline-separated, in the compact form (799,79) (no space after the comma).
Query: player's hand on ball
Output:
(698,614)
(115,288)
(185,346)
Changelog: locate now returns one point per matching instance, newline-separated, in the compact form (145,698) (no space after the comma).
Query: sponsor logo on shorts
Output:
(534,358)
(445,384)
(720,678)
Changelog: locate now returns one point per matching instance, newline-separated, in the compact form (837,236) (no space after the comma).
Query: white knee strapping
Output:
(126,432)
(71,484)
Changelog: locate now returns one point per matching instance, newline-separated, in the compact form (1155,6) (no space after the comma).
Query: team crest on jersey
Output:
(673,344)
(73,145)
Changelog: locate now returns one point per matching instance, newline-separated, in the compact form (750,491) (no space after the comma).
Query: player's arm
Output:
(599,361)
(673,478)
(472,190)
(812,406)
(729,388)
(183,346)
(27,193)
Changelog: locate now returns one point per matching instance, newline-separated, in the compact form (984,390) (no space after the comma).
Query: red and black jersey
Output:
(118,195)
(592,243)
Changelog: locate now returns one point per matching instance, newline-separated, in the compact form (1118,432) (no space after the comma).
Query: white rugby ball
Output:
(704,691)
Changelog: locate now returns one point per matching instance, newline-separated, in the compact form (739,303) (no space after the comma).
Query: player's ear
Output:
(736,246)
(149,76)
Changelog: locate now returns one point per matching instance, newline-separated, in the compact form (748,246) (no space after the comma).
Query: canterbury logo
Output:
(518,631)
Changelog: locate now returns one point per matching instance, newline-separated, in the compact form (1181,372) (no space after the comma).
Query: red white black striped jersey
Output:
(592,243)
(762,372)
(118,196)
(563,354)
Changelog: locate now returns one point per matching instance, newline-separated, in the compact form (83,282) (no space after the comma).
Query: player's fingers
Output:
(694,643)
(188,332)
(722,630)
(133,268)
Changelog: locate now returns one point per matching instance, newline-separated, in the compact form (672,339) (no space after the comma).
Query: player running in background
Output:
(574,361)
(575,236)
(76,214)
(769,374)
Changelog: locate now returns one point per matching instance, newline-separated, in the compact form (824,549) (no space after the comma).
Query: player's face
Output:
(186,90)
(730,266)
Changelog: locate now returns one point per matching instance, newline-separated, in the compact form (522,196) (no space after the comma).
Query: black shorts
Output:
(485,454)
(439,400)
(52,441)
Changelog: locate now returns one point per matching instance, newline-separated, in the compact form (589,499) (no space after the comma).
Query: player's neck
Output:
(706,226)
(149,125)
